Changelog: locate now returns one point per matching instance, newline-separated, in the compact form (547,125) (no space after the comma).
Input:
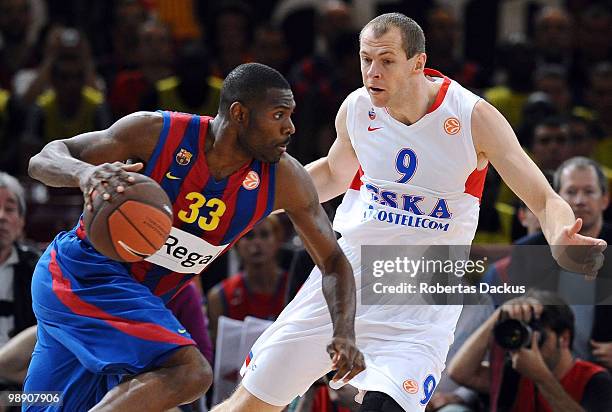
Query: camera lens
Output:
(512,334)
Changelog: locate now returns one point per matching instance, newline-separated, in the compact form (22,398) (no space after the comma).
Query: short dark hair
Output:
(556,313)
(249,83)
(581,162)
(413,38)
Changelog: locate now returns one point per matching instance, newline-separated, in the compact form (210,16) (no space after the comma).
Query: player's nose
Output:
(289,127)
(374,71)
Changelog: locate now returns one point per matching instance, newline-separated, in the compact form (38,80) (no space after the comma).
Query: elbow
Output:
(34,167)
(457,372)
(453,372)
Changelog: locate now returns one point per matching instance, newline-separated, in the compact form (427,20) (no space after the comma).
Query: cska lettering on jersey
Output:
(417,217)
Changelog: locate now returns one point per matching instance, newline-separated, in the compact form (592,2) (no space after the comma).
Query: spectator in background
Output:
(517,63)
(550,146)
(593,45)
(260,288)
(544,375)
(17,42)
(128,17)
(581,182)
(270,48)
(442,49)
(17,261)
(231,36)
(70,107)
(599,96)
(192,90)
(11,129)
(552,80)
(553,37)
(180,16)
(320,83)
(60,42)
(155,62)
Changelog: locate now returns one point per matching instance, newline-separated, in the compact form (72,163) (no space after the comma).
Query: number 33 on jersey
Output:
(209,214)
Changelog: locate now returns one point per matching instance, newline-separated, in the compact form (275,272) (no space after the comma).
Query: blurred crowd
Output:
(69,67)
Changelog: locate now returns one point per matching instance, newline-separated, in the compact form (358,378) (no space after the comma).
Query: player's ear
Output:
(420,60)
(239,113)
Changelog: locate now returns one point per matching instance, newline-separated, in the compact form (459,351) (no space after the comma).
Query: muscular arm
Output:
(495,140)
(64,163)
(333,174)
(296,194)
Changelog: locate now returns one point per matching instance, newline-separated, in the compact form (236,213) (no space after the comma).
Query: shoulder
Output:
(293,184)
(290,170)
(140,122)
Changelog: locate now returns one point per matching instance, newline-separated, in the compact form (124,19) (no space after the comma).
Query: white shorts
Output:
(405,347)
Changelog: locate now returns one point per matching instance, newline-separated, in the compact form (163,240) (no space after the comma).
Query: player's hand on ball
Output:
(347,360)
(578,253)
(105,179)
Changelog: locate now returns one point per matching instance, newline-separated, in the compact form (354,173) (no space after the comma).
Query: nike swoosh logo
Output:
(182,331)
(169,176)
(132,251)
(371,129)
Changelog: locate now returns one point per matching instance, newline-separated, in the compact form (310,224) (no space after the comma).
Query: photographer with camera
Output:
(531,367)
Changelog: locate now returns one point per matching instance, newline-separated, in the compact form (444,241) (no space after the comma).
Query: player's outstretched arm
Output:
(296,194)
(495,140)
(333,173)
(93,159)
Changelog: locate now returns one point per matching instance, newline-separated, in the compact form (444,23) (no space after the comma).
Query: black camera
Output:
(513,334)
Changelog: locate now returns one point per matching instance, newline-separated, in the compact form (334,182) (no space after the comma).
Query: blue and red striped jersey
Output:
(218,211)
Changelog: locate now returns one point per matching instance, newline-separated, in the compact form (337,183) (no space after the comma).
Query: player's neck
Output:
(223,154)
(415,103)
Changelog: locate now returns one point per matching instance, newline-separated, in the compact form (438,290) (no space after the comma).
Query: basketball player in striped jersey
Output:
(410,157)
(105,340)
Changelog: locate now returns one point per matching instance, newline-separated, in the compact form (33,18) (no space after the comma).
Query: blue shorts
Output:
(96,324)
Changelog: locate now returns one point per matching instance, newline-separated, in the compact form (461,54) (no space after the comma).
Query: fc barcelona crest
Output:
(183,157)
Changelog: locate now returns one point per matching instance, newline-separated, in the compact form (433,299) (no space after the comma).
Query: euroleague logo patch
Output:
(251,181)
(372,114)
(452,125)
(411,386)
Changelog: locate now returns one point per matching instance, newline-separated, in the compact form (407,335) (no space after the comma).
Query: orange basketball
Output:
(132,225)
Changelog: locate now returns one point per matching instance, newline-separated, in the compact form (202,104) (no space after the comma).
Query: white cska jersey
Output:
(417,184)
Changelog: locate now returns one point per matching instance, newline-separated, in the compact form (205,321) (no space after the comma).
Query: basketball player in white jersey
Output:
(420,145)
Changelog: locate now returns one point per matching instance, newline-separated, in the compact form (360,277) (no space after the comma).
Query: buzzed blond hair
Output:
(413,38)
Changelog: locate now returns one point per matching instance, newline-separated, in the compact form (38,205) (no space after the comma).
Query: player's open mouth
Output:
(376,90)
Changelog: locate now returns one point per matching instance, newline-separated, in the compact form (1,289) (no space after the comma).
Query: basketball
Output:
(132,225)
